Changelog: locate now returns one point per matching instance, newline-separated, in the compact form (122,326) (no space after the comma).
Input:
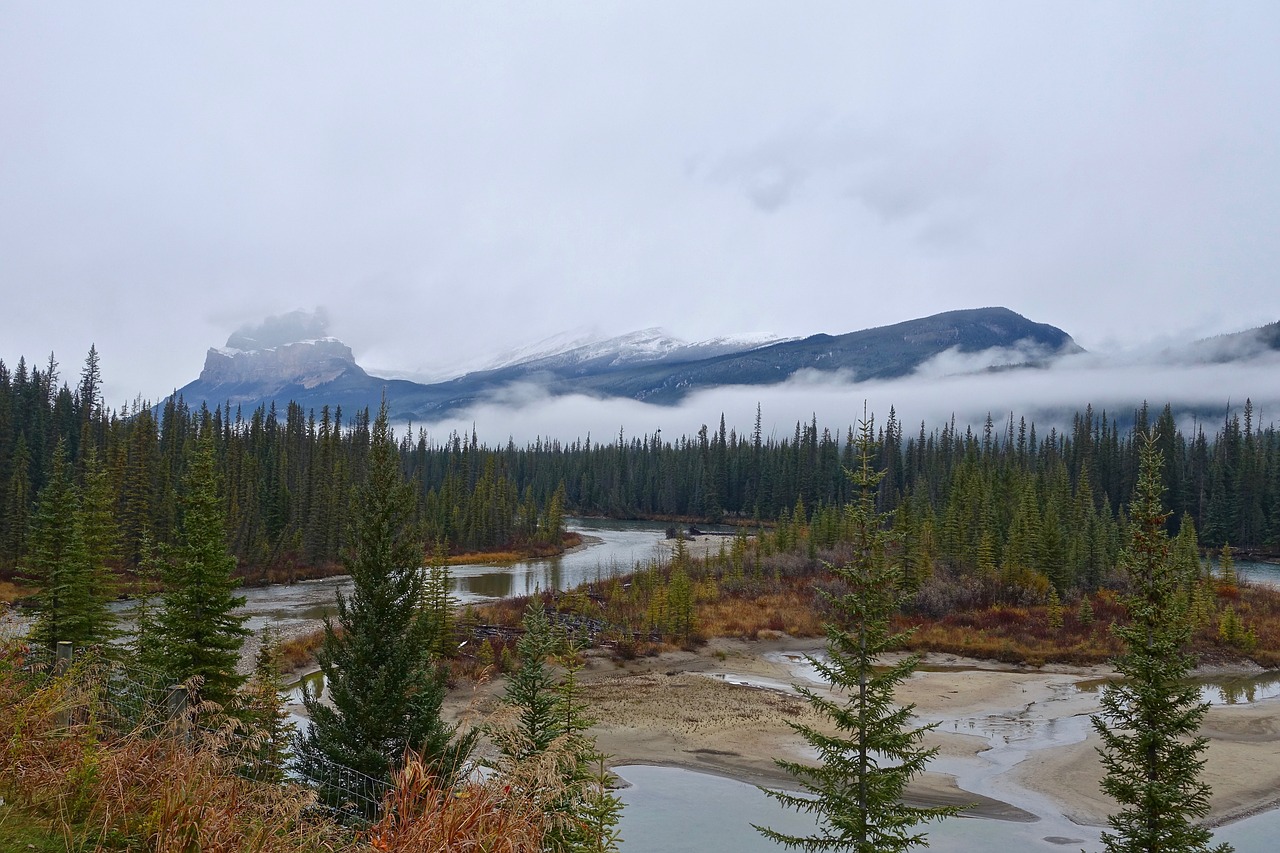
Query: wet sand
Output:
(1014,743)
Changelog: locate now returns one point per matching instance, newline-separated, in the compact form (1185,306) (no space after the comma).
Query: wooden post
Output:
(176,707)
(61,664)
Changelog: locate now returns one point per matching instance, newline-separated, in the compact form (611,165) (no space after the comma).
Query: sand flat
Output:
(1014,742)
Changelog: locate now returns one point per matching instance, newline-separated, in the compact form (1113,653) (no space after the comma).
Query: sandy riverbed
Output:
(1014,742)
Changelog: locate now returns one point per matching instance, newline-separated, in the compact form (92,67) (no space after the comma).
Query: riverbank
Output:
(1015,743)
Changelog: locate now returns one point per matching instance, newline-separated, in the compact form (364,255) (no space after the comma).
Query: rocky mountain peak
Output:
(290,349)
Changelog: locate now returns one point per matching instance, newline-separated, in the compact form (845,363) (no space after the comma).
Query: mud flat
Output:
(1015,743)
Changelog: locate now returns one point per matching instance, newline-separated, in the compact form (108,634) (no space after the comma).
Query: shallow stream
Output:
(670,810)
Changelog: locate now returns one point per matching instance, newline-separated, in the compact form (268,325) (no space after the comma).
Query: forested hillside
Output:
(1006,493)
(287,477)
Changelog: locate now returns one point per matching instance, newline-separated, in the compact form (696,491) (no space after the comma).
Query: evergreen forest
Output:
(1031,505)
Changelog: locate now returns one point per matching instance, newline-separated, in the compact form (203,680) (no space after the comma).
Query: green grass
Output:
(22,833)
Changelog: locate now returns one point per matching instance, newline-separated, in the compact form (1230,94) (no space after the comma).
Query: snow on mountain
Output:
(641,347)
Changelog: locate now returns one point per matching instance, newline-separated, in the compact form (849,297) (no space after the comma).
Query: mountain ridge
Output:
(259,365)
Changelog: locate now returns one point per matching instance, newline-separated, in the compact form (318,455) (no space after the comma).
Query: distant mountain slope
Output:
(258,365)
(1233,347)
(881,353)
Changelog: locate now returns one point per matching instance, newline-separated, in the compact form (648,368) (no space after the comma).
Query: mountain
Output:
(886,352)
(1238,346)
(649,346)
(292,358)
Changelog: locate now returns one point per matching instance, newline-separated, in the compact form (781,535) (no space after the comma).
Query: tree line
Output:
(288,477)
(1004,493)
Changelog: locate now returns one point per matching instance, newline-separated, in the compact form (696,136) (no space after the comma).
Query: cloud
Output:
(1048,396)
(453,183)
(956,362)
(282,329)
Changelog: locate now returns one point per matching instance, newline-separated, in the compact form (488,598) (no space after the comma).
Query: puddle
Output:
(1218,689)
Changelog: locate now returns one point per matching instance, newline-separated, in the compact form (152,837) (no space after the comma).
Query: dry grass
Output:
(138,791)
(529,552)
(300,651)
(778,593)
(1025,635)
(1017,635)
(76,785)
(11,591)
(790,610)
(422,816)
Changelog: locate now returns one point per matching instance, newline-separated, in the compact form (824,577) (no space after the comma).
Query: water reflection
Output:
(1265,574)
(616,547)
(670,809)
(1217,689)
(1241,689)
(487,585)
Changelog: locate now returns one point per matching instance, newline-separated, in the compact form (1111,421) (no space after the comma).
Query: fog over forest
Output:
(945,387)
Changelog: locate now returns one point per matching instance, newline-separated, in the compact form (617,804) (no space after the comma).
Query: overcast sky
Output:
(451,180)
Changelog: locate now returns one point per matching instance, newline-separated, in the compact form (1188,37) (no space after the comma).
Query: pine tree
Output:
(73,598)
(1054,610)
(385,689)
(531,688)
(1227,580)
(101,538)
(1149,719)
(196,631)
(856,789)
(583,814)
(265,712)
(438,604)
(17,504)
(681,620)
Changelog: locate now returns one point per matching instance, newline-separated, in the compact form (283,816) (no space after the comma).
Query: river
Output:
(615,546)
(669,810)
(1266,574)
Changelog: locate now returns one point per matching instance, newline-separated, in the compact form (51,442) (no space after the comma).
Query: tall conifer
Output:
(856,789)
(385,691)
(72,598)
(196,632)
(583,813)
(1149,718)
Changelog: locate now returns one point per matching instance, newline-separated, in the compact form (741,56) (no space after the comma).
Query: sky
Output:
(449,181)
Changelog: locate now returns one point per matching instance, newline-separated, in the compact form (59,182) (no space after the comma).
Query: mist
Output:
(946,387)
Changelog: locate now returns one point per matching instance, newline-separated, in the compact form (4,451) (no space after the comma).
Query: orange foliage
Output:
(419,816)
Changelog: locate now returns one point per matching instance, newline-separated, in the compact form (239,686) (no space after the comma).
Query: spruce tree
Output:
(72,600)
(583,813)
(265,711)
(1149,719)
(856,789)
(438,603)
(385,690)
(531,687)
(196,631)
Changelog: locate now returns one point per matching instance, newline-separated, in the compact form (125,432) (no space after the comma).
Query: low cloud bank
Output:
(946,387)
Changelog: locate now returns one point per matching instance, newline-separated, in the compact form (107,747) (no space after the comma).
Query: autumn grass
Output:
(156,789)
(781,593)
(789,610)
(11,591)
(298,652)
(71,783)
(1021,634)
(507,556)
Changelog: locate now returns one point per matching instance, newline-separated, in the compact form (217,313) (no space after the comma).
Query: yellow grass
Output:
(11,591)
(299,652)
(790,611)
